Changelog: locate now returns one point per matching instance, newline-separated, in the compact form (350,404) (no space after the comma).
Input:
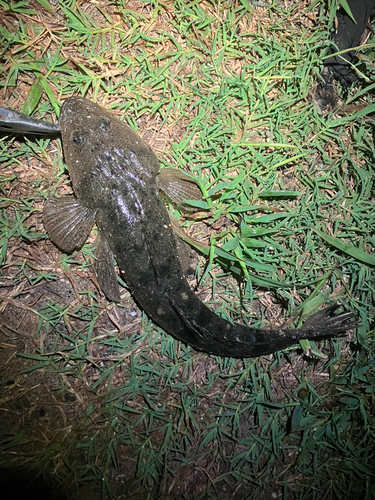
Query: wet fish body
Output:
(116,180)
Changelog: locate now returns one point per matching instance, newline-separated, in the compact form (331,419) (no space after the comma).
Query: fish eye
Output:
(104,124)
(78,137)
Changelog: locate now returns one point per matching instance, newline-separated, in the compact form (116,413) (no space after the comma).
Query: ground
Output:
(97,401)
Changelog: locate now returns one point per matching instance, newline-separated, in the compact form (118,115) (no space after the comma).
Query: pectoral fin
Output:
(67,223)
(178,187)
(104,268)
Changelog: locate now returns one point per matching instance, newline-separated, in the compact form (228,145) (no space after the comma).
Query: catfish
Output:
(116,179)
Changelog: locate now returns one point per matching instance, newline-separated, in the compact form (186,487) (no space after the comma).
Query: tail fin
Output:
(208,332)
(326,322)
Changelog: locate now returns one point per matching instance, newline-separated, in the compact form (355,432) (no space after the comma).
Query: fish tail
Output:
(212,334)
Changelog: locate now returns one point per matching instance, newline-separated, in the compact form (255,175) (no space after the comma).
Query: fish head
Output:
(100,151)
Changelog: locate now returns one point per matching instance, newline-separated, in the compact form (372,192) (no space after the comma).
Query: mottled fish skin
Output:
(114,172)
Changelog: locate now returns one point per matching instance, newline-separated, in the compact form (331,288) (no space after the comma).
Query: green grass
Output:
(221,92)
